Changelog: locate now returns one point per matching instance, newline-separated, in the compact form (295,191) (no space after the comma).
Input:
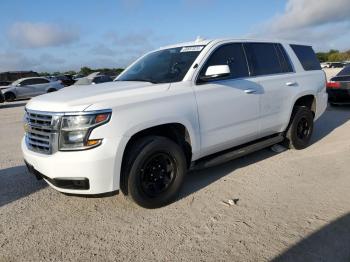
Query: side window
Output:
(231,55)
(284,59)
(39,81)
(27,82)
(97,80)
(263,59)
(307,57)
(107,79)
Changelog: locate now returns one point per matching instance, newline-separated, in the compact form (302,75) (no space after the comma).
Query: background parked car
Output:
(66,80)
(2,98)
(5,83)
(94,78)
(338,88)
(30,87)
(335,65)
(15,75)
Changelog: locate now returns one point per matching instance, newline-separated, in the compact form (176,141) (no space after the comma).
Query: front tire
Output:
(10,97)
(51,90)
(300,129)
(155,169)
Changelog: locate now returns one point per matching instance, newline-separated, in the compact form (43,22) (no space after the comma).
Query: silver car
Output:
(30,87)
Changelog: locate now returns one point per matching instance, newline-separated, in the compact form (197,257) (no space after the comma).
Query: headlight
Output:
(76,129)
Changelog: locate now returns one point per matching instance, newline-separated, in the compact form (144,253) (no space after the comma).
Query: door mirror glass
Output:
(216,72)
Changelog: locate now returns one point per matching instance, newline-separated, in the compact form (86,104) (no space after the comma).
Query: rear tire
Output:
(300,129)
(154,170)
(10,97)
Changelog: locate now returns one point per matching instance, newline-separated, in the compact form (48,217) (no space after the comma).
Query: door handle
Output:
(250,91)
(291,83)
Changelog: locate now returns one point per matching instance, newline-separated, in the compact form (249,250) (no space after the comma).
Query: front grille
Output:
(41,131)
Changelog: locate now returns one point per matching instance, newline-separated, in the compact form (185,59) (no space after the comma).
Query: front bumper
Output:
(98,167)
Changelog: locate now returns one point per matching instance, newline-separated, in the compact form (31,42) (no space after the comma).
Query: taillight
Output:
(333,84)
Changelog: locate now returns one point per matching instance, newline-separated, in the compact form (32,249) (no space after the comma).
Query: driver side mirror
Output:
(215,72)
(19,84)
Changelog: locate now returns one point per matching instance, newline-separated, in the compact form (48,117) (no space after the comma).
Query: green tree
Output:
(322,57)
(86,70)
(336,57)
(70,72)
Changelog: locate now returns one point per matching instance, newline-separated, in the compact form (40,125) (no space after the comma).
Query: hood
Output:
(79,98)
(5,87)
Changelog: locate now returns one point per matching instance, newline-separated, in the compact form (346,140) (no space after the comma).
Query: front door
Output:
(228,108)
(26,89)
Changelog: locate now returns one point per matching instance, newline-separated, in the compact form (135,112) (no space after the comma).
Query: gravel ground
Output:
(289,206)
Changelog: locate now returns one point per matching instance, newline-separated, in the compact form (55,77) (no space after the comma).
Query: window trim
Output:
(286,58)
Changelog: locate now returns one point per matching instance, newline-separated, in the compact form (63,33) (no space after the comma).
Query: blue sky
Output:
(62,35)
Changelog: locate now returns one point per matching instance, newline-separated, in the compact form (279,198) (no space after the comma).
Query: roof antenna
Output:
(199,39)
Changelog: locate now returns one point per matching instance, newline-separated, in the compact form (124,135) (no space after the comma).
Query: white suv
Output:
(184,106)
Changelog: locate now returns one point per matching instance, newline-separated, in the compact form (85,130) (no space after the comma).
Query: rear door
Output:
(270,68)
(228,109)
(41,85)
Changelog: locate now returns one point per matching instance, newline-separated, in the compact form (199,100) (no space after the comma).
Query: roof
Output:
(34,77)
(200,41)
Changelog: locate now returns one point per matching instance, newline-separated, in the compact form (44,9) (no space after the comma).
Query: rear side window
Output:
(40,81)
(307,57)
(231,55)
(263,59)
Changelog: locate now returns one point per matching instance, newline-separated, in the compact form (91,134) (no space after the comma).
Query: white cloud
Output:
(38,35)
(323,23)
(306,13)
(16,61)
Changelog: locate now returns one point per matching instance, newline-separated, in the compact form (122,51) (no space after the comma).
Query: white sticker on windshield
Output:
(197,48)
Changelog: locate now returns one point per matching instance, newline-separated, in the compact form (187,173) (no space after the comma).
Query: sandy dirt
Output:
(289,206)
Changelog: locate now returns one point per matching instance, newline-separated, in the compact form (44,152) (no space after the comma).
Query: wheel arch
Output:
(51,89)
(176,131)
(307,100)
(8,93)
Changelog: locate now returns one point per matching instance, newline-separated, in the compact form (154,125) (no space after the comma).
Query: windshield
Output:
(164,66)
(16,82)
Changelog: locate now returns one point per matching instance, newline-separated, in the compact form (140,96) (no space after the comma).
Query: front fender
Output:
(194,137)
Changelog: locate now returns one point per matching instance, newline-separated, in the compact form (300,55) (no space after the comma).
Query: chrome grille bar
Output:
(41,131)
